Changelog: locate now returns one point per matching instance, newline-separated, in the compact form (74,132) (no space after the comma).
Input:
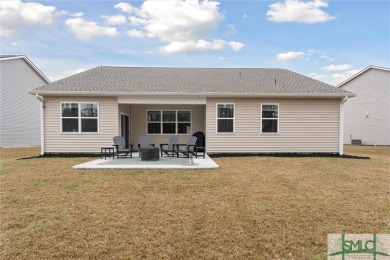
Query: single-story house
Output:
(367,117)
(240,110)
(19,112)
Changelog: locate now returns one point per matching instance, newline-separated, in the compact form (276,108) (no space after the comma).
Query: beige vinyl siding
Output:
(139,127)
(367,116)
(20,123)
(305,125)
(57,142)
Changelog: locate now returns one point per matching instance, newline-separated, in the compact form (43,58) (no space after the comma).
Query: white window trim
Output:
(79,118)
(161,121)
(234,119)
(261,118)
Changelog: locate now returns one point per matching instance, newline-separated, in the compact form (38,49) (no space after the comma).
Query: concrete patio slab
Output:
(164,162)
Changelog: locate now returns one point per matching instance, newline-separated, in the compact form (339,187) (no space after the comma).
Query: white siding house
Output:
(19,112)
(367,116)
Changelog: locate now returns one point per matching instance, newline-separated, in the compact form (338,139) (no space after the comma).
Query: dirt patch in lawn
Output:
(252,207)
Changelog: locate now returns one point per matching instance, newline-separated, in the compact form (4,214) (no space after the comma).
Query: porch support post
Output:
(341,128)
(42,114)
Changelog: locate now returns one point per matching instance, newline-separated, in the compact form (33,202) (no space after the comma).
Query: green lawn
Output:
(250,208)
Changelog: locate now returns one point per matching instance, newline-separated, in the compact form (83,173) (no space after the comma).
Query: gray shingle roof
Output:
(181,81)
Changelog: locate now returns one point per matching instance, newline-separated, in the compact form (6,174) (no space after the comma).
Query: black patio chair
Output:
(169,148)
(190,147)
(121,149)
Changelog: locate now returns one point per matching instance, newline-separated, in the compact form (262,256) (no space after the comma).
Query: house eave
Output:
(197,94)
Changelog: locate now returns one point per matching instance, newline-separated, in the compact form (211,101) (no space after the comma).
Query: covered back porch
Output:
(159,117)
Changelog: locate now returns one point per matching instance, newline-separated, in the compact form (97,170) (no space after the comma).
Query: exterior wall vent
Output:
(356,142)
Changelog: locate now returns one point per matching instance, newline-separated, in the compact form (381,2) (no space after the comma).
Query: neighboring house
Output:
(19,111)
(239,110)
(367,116)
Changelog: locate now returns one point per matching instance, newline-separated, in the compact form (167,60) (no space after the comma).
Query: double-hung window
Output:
(169,122)
(79,117)
(225,118)
(183,122)
(269,118)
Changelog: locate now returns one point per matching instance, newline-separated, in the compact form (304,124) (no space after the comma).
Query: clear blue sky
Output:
(327,40)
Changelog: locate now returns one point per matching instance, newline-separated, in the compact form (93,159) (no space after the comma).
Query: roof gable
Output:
(28,61)
(360,73)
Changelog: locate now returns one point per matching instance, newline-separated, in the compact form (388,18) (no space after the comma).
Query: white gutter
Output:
(196,94)
(40,98)
(341,132)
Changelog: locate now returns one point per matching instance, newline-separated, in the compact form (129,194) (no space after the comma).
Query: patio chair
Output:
(190,147)
(144,142)
(120,147)
(170,147)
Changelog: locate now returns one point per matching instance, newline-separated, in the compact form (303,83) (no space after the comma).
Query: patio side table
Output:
(107,152)
(150,154)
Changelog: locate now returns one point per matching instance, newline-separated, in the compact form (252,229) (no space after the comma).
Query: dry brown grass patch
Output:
(255,207)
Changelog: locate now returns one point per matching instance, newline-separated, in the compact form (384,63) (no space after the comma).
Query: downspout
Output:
(40,98)
(341,137)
